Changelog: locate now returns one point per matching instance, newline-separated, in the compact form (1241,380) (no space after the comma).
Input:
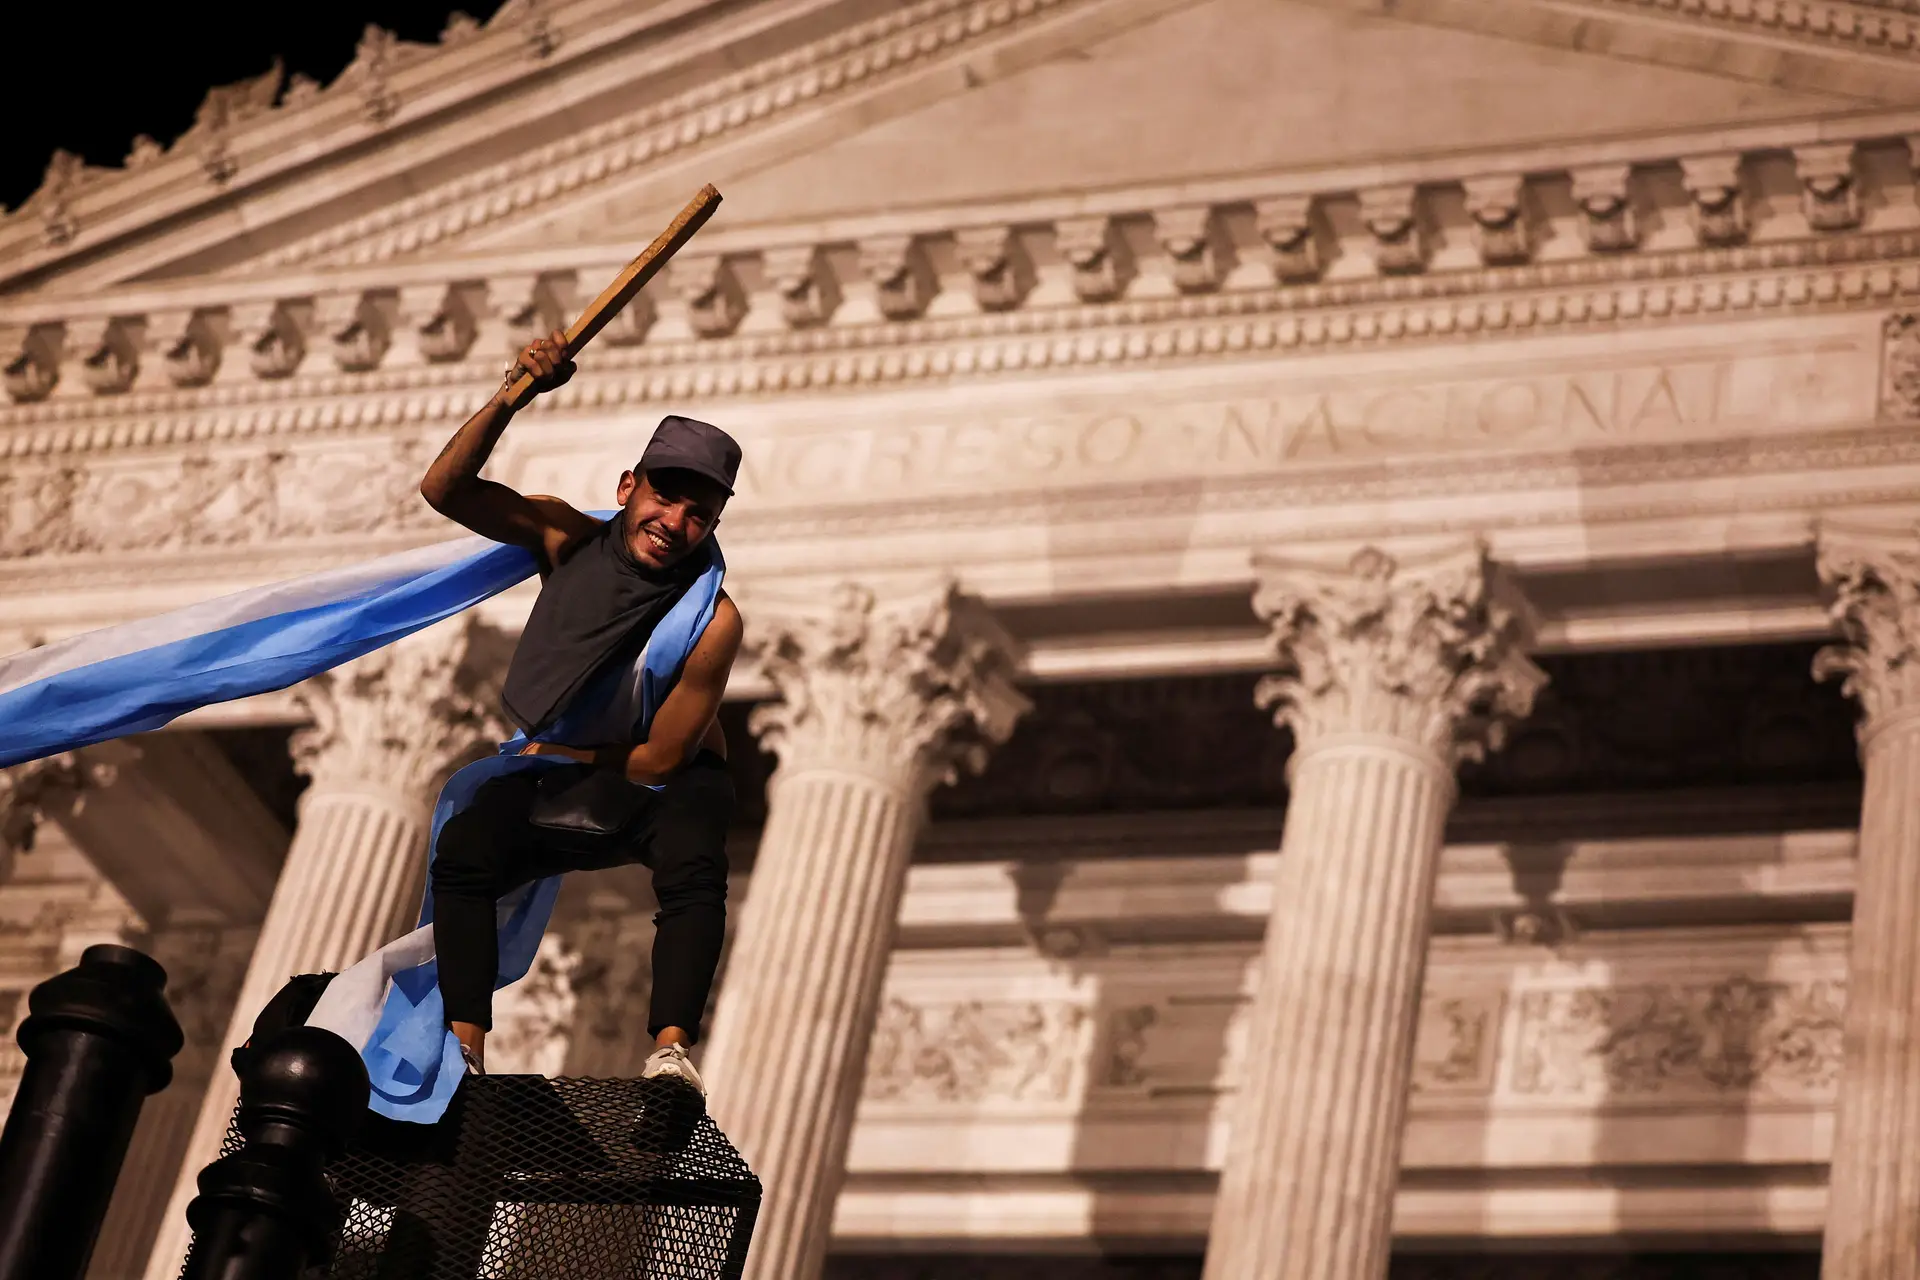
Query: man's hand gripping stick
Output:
(625,285)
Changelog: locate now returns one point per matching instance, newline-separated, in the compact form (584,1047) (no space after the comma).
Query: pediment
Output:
(812,108)
(1216,88)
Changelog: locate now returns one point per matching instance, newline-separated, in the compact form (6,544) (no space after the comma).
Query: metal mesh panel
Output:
(527,1178)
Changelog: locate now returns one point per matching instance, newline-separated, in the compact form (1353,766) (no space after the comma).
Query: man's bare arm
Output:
(453,487)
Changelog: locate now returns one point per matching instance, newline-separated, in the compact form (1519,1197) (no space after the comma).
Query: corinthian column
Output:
(1873,1198)
(384,730)
(880,703)
(1393,672)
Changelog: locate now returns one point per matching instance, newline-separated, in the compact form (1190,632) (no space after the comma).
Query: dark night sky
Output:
(89,77)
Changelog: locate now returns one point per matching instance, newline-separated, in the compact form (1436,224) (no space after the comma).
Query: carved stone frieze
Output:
(1900,366)
(534,1019)
(246,497)
(395,720)
(1097,250)
(975,1051)
(612,983)
(1606,207)
(1453,1265)
(1432,651)
(205,965)
(917,687)
(1874,576)
(1755,1038)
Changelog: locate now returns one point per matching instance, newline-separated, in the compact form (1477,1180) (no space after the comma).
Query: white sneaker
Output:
(672,1060)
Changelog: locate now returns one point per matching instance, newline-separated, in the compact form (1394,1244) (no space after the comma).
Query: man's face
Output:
(665,514)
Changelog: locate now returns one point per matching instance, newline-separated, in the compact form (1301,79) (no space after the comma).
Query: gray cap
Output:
(699,447)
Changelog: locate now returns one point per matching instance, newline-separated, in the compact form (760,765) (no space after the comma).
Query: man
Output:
(605,588)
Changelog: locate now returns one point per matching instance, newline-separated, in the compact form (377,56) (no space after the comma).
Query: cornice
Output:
(1862,271)
(1889,28)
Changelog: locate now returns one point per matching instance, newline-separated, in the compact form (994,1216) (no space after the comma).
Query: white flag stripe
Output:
(209,616)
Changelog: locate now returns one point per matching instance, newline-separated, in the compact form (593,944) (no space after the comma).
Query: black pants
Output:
(489,849)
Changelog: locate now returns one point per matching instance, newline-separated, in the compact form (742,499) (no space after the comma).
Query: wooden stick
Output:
(628,283)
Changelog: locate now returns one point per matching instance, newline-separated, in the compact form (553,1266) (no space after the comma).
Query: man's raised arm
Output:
(453,486)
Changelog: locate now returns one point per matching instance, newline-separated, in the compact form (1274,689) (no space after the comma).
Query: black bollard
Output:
(98,1038)
(265,1212)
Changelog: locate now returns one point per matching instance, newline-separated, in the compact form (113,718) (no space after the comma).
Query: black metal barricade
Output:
(540,1179)
(99,1038)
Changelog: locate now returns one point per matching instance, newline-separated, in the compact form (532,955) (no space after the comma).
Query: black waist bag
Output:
(588,807)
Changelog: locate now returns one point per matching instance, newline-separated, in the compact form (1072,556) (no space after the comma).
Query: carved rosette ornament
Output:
(911,690)
(1430,651)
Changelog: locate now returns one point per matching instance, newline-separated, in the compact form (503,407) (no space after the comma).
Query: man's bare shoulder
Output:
(727,625)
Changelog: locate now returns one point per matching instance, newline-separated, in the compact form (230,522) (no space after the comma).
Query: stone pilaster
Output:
(881,702)
(1873,1201)
(1393,672)
(385,729)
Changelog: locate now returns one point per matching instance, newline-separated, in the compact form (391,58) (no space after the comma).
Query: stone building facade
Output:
(1332,595)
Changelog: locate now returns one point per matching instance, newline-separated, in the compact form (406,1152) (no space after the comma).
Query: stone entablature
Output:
(1757,220)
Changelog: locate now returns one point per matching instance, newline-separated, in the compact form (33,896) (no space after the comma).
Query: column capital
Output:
(393,721)
(1429,649)
(911,687)
(1874,577)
